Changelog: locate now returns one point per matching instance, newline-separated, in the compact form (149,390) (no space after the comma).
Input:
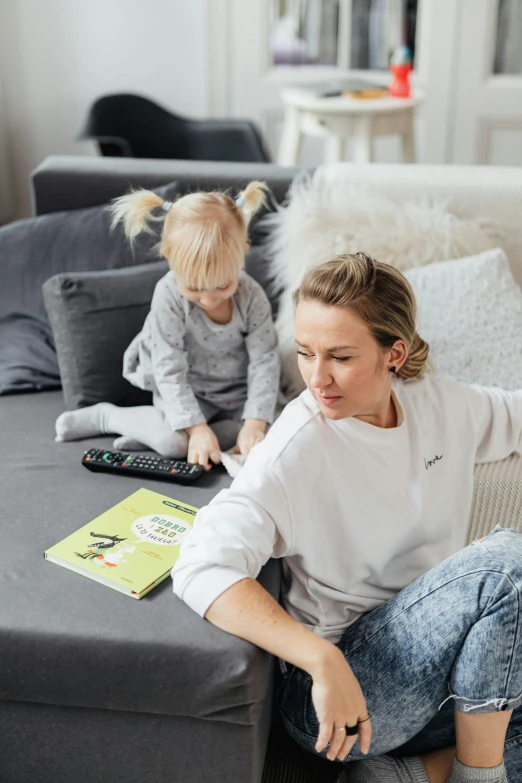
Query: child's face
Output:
(208,299)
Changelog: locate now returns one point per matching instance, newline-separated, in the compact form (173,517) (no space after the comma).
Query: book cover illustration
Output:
(132,546)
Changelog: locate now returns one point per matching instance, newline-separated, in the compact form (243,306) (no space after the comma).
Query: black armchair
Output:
(130,126)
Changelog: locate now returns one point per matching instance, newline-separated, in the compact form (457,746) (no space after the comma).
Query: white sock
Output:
(123,443)
(83,423)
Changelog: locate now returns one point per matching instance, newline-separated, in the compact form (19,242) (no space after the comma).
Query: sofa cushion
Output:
(67,640)
(470,312)
(27,355)
(329,214)
(35,249)
(94,317)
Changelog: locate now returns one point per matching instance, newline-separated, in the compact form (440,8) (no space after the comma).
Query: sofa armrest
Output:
(497,497)
(64,182)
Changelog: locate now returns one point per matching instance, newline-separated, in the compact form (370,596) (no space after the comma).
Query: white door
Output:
(245,38)
(488,96)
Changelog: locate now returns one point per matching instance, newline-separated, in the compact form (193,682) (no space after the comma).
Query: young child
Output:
(208,348)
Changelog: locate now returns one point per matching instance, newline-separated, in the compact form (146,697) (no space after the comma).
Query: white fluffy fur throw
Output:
(327,215)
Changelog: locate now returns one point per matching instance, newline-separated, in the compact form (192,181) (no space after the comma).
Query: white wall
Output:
(58,56)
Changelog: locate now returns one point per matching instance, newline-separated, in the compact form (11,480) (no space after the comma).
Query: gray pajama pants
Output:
(148,425)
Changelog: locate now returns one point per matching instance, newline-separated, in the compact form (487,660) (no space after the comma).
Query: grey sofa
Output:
(95,686)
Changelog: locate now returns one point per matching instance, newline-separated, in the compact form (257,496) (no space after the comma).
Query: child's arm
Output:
(264,365)
(170,361)
(251,433)
(203,445)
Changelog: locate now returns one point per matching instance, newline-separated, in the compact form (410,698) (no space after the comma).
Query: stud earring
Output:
(393,369)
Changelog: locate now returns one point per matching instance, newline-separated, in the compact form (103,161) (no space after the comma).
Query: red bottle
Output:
(400,86)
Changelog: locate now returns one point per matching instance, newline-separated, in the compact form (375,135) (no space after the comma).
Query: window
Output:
(349,34)
(508,49)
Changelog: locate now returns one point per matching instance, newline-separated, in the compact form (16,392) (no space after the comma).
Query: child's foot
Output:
(83,423)
(123,443)
(386,769)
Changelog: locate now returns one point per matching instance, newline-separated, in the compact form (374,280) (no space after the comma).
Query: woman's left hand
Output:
(252,432)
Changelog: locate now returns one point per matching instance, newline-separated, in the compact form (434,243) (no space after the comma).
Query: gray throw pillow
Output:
(94,317)
(33,250)
(257,264)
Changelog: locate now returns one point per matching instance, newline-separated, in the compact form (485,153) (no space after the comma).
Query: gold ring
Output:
(340,728)
(364,719)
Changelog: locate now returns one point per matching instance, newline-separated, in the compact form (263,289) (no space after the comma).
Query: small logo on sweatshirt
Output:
(429,462)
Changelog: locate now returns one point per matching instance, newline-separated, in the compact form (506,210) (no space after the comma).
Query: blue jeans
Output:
(451,639)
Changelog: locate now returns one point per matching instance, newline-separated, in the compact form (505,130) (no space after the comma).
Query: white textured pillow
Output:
(470,312)
(327,215)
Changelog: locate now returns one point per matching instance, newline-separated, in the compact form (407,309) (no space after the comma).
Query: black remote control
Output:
(147,466)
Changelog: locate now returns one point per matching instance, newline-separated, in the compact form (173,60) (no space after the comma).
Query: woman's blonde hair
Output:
(204,234)
(376,293)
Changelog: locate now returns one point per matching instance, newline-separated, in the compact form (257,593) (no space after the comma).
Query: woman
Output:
(364,486)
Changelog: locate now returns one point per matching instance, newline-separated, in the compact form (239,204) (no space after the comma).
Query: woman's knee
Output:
(497,555)
(501,548)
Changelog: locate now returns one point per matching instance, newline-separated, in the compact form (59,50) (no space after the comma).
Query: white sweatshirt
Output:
(358,512)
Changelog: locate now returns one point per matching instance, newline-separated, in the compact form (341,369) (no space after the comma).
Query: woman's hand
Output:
(202,445)
(339,702)
(252,432)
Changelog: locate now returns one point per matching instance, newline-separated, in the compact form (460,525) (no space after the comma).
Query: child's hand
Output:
(202,445)
(252,432)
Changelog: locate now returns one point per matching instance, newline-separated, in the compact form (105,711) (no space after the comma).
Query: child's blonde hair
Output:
(204,234)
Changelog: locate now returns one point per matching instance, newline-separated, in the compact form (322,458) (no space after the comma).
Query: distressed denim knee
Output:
(487,673)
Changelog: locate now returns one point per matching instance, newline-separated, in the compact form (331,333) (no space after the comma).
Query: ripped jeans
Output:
(451,639)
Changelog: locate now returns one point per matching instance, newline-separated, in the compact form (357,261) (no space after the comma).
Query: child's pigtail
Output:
(134,211)
(251,199)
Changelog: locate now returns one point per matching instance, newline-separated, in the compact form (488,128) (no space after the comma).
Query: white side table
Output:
(341,118)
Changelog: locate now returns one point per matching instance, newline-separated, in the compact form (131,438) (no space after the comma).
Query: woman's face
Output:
(341,363)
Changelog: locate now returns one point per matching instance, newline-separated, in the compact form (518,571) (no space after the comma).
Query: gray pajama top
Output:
(181,355)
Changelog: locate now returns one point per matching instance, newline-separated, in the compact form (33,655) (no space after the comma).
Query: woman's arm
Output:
(233,537)
(497,417)
(247,610)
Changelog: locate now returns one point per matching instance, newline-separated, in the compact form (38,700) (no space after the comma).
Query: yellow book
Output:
(132,546)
